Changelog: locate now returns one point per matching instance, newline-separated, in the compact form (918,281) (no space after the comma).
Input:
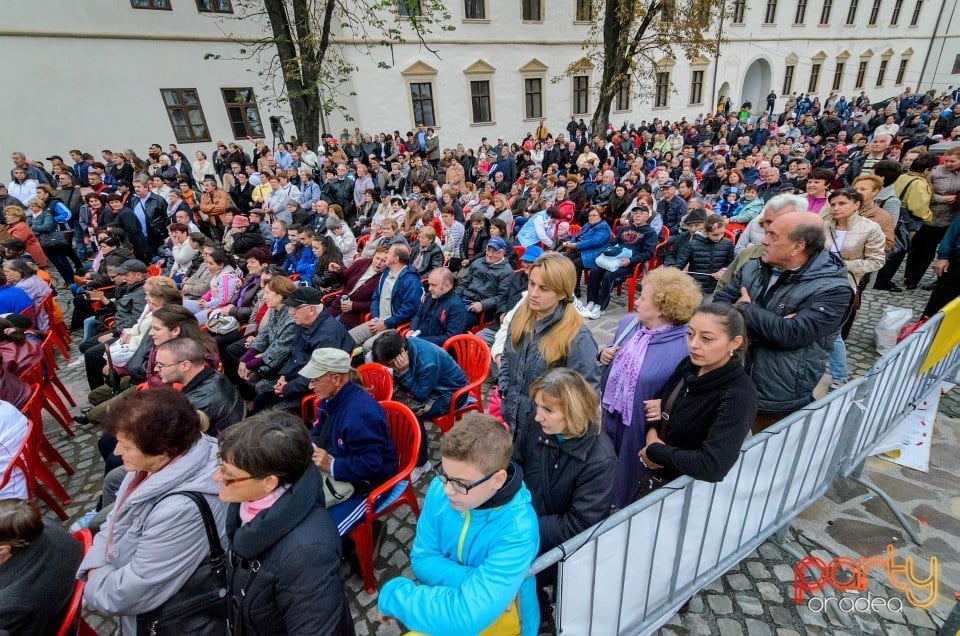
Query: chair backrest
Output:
(69,623)
(519,251)
(405,433)
(472,354)
(154,270)
(730,236)
(362,242)
(21,460)
(377,379)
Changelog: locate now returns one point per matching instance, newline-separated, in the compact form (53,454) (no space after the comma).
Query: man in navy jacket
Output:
(396,299)
(351,440)
(442,314)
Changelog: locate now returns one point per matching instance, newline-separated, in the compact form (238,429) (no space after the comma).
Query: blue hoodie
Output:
(590,242)
(470,565)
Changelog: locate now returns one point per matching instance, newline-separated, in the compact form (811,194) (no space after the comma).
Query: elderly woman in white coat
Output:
(154,539)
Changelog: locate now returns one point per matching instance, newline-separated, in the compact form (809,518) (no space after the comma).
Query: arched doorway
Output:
(756,84)
(723,93)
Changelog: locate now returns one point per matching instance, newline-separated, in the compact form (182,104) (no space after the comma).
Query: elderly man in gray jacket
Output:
(795,297)
(486,285)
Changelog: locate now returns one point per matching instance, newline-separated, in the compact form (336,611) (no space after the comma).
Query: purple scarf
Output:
(625,371)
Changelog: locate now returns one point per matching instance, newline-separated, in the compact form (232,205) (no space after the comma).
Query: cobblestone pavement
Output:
(754,597)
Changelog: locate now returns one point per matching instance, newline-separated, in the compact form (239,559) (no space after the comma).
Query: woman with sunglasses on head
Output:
(284,548)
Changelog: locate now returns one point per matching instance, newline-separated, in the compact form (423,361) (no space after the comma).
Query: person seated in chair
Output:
(484,287)
(442,313)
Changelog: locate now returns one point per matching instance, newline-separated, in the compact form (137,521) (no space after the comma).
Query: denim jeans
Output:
(838,361)
(90,328)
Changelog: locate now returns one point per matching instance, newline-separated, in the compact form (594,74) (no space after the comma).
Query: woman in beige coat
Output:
(860,243)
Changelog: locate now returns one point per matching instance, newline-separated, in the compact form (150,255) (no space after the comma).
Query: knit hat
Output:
(240,221)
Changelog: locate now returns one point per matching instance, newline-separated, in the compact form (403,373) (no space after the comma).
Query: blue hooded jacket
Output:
(470,566)
(590,242)
(404,300)
(432,370)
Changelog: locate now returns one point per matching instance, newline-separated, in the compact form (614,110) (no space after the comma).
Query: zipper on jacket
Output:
(463,536)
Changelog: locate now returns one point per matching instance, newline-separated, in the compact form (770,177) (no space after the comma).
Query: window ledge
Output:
(582,22)
(476,20)
(667,107)
(531,21)
(480,124)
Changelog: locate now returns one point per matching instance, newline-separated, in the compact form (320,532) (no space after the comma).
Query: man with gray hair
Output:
(795,297)
(778,204)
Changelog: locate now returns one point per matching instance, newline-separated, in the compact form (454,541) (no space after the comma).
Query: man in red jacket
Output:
(359,282)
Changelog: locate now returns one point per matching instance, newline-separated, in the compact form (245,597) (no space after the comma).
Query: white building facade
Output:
(128,73)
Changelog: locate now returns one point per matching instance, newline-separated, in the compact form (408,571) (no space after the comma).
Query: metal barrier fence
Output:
(630,573)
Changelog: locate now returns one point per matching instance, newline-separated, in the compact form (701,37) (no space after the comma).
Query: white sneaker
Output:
(83,521)
(418,472)
(583,311)
(591,306)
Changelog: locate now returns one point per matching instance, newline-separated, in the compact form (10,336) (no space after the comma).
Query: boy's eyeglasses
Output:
(458,486)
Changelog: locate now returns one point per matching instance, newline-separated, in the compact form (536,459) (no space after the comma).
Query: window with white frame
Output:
(661,98)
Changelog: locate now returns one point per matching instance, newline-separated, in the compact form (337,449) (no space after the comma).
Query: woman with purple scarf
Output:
(647,348)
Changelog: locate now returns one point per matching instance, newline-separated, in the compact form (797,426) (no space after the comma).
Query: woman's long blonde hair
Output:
(560,276)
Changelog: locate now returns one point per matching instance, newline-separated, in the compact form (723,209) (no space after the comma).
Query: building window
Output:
(956,65)
(421,93)
(882,72)
(661,98)
(584,11)
(533,97)
(739,10)
(838,76)
(861,74)
(902,70)
(895,16)
(814,78)
(407,8)
(214,6)
(242,112)
(874,13)
(916,13)
(696,88)
(186,115)
(480,101)
(581,94)
(475,9)
(852,12)
(825,12)
(788,79)
(532,11)
(623,95)
(151,4)
(801,15)
(771,15)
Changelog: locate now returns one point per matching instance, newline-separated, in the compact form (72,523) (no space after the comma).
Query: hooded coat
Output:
(149,548)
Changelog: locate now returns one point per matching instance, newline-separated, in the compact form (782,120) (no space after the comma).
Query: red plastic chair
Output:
(361,243)
(642,268)
(405,432)
(58,329)
(519,250)
(378,380)
(308,409)
(41,375)
(33,410)
(730,236)
(73,622)
(473,356)
(50,362)
(154,270)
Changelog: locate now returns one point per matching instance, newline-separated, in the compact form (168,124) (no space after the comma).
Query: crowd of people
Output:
(213,296)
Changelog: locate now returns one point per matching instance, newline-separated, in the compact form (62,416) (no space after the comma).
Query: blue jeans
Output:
(90,328)
(838,361)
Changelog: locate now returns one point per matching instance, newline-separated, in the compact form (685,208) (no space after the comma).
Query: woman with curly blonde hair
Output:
(547,331)
(647,347)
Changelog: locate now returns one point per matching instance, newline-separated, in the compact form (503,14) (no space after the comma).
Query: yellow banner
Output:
(948,336)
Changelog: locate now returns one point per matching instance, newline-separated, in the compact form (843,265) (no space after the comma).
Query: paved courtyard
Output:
(754,597)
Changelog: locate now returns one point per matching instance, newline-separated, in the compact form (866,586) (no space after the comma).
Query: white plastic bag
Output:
(889,326)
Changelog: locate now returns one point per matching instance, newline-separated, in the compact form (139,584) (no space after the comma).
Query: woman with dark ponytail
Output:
(702,415)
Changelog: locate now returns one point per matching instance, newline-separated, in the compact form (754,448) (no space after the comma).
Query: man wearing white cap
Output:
(350,436)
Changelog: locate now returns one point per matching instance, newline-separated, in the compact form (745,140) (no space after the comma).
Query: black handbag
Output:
(52,240)
(200,607)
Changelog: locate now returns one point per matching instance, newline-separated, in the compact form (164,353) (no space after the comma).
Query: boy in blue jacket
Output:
(476,539)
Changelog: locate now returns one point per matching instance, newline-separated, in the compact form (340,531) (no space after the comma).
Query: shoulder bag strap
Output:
(209,525)
(668,405)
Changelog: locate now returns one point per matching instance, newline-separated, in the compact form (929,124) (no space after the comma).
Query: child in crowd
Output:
(750,207)
(706,255)
(729,206)
(692,223)
(476,538)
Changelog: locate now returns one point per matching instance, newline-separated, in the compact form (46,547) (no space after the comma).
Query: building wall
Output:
(89,74)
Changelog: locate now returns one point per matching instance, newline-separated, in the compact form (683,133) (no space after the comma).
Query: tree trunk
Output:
(615,63)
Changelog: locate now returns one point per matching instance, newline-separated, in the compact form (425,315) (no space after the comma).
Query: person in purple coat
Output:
(647,348)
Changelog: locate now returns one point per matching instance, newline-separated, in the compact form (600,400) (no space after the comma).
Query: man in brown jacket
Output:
(214,204)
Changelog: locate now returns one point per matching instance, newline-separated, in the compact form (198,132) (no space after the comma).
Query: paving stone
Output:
(757,628)
(749,605)
(721,605)
(770,551)
(695,604)
(787,632)
(938,519)
(783,572)
(696,625)
(769,592)
(809,617)
(758,570)
(781,615)
(715,586)
(917,617)
(864,538)
(738,582)
(729,627)
(867,624)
